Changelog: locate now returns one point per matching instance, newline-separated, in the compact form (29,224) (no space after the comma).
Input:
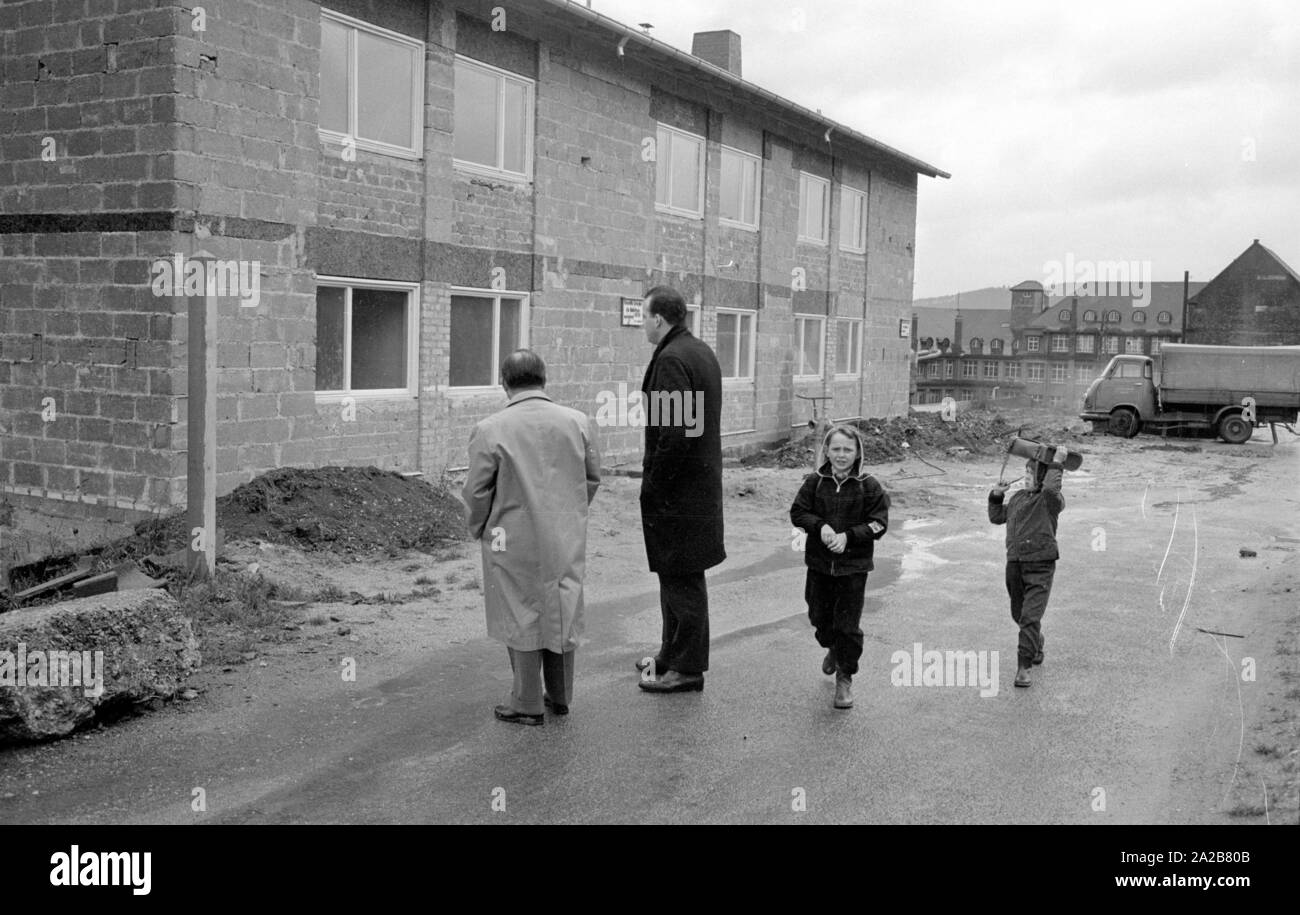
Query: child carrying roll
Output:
(844,510)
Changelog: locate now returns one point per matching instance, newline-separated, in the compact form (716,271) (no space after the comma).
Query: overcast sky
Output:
(1142,130)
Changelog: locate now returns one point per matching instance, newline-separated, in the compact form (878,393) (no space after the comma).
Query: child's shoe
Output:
(828,663)
(843,691)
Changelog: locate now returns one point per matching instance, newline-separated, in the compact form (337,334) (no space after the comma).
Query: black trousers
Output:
(835,610)
(684,602)
(1030,585)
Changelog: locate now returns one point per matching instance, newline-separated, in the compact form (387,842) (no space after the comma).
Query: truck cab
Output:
(1123,395)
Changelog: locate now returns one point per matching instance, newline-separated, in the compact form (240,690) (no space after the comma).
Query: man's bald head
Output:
(523,369)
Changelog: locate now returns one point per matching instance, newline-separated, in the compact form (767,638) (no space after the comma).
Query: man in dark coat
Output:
(681,489)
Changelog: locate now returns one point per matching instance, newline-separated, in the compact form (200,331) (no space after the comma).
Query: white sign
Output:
(632,315)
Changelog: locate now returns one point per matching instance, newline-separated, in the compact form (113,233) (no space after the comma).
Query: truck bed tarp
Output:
(1206,374)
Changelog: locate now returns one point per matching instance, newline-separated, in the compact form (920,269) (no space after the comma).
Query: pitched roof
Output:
(998,297)
(665,55)
(1164,297)
(1255,244)
(985,323)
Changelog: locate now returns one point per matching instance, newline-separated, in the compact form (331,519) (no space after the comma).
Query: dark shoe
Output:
(506,713)
(551,704)
(1022,676)
(644,663)
(1038,659)
(828,663)
(674,682)
(843,691)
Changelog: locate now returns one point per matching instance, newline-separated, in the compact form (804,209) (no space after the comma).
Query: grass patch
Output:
(425,580)
(1247,810)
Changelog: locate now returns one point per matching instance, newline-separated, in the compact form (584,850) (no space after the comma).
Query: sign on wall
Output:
(904,327)
(632,316)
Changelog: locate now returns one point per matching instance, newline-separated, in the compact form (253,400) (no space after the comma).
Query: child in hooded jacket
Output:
(844,510)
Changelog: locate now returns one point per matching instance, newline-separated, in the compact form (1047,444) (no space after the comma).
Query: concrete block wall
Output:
(87,190)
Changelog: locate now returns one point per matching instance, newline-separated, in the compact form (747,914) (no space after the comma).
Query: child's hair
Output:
(841,429)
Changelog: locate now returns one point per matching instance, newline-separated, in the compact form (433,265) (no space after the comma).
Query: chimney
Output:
(958,347)
(721,48)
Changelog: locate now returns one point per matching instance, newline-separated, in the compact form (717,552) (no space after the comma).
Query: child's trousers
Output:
(835,610)
(1030,585)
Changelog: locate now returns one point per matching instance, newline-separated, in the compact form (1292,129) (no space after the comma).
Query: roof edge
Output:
(662,47)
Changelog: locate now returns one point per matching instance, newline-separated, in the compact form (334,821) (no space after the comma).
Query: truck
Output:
(1197,386)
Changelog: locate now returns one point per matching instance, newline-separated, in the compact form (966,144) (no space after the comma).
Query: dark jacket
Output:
(1030,517)
(681,483)
(849,507)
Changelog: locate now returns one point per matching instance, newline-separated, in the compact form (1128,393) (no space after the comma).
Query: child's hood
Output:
(823,462)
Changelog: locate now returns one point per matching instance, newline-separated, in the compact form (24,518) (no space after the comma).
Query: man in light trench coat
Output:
(534,468)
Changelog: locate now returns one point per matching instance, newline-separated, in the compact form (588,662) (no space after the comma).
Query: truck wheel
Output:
(1124,423)
(1234,430)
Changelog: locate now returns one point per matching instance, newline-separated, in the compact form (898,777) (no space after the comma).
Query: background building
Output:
(422,186)
(1254,301)
(1042,349)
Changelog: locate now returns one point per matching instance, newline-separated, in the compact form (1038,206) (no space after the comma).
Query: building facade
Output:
(1254,301)
(1044,351)
(414,189)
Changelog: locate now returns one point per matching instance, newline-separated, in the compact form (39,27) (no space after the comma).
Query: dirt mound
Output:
(928,434)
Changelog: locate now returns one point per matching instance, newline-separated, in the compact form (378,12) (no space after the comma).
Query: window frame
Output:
(799,324)
(530,126)
(416,150)
(1062,339)
(1013,372)
(1091,340)
(496,295)
(693,315)
(1165,317)
(990,369)
(1155,346)
(1132,339)
(970,369)
(1062,370)
(757,162)
(806,178)
(753,341)
(1032,343)
(855,355)
(412,338)
(701,161)
(860,225)
(1033,369)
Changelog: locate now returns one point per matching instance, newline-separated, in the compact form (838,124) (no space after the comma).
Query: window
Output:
(1155,346)
(1085,343)
(1132,344)
(1056,400)
(371,86)
(995,346)
(365,336)
(693,319)
(1128,370)
(977,346)
(1164,318)
(848,347)
(1013,371)
(991,369)
(965,394)
(810,334)
(947,368)
(493,120)
(1033,371)
(1113,317)
(934,369)
(735,347)
(853,220)
(1064,315)
(1060,343)
(1031,344)
(1139,316)
(679,172)
(1060,373)
(1084,374)
(970,368)
(740,188)
(814,194)
(485,328)
(1090,317)
(1110,345)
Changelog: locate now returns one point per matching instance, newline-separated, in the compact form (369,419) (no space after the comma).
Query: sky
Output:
(1164,134)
